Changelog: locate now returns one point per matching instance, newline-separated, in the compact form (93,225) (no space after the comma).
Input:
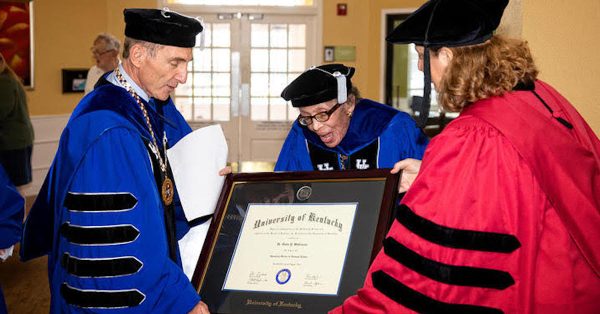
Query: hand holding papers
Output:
(195,161)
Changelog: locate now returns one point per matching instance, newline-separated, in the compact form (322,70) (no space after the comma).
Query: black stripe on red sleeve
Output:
(456,238)
(449,274)
(419,302)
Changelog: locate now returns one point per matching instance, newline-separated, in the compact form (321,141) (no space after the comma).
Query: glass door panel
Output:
(237,78)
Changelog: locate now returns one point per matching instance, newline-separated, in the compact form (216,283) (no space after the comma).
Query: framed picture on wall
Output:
(16,37)
(73,80)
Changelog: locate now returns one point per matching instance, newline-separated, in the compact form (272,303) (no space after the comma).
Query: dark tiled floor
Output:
(25,285)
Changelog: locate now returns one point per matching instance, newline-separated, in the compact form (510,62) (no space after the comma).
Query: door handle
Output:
(236,80)
(245,103)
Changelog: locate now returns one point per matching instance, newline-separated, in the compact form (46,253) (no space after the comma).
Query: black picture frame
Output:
(374,192)
(73,80)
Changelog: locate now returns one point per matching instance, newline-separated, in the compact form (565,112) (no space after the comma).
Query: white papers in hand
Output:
(196,160)
(190,247)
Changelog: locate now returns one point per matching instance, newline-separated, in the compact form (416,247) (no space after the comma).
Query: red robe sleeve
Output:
(476,234)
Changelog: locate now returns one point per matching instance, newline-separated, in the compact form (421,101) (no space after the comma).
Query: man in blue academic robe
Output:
(106,215)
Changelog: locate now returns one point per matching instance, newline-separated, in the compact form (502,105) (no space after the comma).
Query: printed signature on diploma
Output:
(255,278)
(311,280)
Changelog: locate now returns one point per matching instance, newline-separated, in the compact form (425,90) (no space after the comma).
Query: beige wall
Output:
(361,28)
(349,30)
(63,34)
(564,39)
(561,34)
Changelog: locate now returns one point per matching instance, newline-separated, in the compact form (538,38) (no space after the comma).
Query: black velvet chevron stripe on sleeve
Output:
(101,298)
(99,202)
(99,235)
(454,275)
(100,267)
(419,302)
(456,238)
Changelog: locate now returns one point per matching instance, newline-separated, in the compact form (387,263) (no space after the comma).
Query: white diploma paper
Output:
(190,247)
(292,248)
(195,161)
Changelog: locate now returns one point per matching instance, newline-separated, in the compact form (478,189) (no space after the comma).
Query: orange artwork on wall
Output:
(16,38)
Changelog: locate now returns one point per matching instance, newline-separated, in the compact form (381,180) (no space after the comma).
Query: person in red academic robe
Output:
(504,214)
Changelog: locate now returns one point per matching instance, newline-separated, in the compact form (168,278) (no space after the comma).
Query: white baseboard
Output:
(47,134)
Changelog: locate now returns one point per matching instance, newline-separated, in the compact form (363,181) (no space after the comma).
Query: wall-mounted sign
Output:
(339,53)
(345,53)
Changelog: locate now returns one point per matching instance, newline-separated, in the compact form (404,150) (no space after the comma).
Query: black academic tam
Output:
(450,23)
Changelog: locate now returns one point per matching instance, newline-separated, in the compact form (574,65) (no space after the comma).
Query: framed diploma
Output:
(293,242)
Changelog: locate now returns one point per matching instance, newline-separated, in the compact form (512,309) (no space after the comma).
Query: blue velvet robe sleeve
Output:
(118,162)
(11,218)
(294,154)
(11,212)
(400,140)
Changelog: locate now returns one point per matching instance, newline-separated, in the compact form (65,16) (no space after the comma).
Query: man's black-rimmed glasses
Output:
(321,116)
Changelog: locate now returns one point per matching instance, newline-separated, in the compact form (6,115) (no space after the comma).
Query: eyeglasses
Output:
(321,116)
(99,53)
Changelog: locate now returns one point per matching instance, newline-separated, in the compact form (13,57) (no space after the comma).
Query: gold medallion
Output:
(167,191)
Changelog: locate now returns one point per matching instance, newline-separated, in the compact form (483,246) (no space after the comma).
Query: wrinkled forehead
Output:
(173,53)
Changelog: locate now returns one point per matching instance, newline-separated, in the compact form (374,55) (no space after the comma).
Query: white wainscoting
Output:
(47,133)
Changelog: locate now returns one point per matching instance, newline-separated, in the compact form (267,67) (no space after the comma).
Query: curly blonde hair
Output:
(485,70)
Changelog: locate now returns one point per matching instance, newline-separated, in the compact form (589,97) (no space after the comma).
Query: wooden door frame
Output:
(385,70)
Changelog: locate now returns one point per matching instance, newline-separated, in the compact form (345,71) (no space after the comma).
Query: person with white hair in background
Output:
(105,52)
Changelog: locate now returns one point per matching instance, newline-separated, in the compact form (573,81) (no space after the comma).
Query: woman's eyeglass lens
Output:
(322,116)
